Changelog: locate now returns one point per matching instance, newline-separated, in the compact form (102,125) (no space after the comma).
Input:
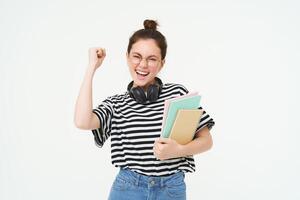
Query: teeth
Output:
(142,73)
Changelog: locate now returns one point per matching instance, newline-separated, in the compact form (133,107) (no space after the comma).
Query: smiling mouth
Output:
(142,73)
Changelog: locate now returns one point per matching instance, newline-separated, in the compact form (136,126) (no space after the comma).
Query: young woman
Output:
(150,167)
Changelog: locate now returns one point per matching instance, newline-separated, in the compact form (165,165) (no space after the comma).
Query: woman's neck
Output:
(145,87)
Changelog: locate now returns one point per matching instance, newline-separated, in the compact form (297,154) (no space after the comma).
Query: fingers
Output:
(157,151)
(101,52)
(158,146)
(163,140)
(160,143)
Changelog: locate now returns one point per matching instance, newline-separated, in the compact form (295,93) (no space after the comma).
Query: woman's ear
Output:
(162,63)
(127,57)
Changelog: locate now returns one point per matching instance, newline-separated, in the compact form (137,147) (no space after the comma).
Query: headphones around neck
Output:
(152,94)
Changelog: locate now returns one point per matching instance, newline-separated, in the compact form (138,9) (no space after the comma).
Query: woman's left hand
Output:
(166,148)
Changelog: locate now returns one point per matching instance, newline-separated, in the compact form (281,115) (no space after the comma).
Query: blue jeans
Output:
(129,185)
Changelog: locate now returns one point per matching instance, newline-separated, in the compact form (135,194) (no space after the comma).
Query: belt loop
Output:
(137,179)
(162,182)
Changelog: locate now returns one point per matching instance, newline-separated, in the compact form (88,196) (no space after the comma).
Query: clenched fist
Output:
(96,57)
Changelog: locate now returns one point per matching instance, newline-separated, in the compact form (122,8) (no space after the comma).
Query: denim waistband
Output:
(140,179)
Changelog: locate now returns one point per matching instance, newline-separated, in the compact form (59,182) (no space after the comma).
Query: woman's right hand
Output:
(96,57)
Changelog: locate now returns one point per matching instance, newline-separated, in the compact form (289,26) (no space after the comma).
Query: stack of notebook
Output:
(181,117)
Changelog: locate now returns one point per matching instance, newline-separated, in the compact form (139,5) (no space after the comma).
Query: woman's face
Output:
(144,62)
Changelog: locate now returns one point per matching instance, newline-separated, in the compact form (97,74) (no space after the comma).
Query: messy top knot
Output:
(149,32)
(150,24)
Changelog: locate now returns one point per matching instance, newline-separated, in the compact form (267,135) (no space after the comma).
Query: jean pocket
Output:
(176,189)
(119,183)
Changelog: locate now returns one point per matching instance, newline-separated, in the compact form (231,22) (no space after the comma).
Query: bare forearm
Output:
(84,103)
(166,148)
(200,144)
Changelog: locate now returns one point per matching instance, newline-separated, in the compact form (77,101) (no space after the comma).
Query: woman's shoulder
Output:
(175,87)
(118,97)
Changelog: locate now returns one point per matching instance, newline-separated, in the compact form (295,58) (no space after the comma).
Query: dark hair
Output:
(149,32)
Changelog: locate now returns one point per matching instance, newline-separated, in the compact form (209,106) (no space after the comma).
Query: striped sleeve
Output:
(104,111)
(205,120)
(182,89)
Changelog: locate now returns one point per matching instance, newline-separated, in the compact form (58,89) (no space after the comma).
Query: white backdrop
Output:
(242,56)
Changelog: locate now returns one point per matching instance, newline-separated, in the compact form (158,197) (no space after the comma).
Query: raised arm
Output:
(84,118)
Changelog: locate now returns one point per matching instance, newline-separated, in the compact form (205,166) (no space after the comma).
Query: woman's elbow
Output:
(87,123)
(210,143)
(80,125)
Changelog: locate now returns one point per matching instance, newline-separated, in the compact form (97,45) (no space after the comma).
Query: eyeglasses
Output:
(151,61)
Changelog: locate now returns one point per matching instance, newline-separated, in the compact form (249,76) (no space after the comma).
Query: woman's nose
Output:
(144,63)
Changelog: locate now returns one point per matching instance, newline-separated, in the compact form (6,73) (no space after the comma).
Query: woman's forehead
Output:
(146,47)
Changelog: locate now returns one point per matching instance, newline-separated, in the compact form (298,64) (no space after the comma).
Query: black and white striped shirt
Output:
(133,128)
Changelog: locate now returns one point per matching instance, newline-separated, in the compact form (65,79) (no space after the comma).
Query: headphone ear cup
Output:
(138,94)
(152,93)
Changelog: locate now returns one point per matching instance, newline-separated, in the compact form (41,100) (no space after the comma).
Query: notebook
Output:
(185,125)
(188,102)
(167,102)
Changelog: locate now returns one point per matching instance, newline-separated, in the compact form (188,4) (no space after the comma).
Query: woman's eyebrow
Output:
(152,56)
(136,53)
(141,55)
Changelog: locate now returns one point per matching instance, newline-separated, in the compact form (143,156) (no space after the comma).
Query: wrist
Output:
(90,69)
(181,150)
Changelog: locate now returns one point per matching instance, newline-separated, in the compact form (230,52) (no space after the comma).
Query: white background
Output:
(242,56)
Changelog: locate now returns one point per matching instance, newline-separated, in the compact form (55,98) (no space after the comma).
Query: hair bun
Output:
(150,24)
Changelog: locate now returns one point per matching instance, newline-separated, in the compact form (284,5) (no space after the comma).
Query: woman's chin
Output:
(141,80)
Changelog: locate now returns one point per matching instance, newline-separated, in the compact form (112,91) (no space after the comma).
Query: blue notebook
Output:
(188,102)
